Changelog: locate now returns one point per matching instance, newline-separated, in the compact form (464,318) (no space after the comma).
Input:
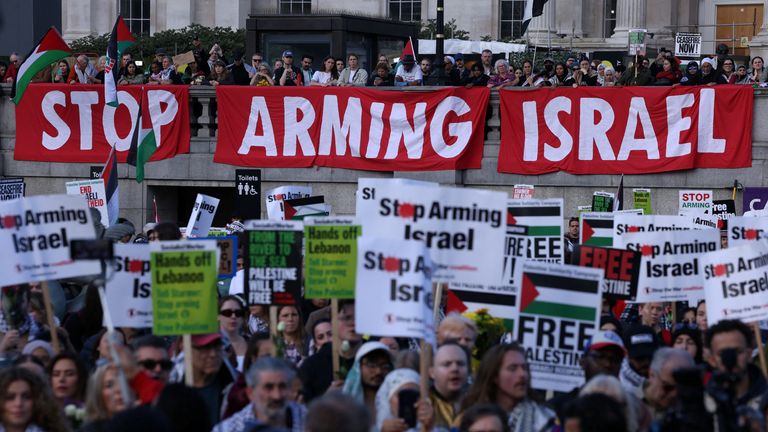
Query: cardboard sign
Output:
(330,258)
(596,229)
(735,283)
(642,200)
(755,201)
(201,219)
(463,228)
(227,246)
(184,291)
(602,201)
(183,59)
(621,269)
(37,233)
(275,197)
(94,193)
(670,263)
(393,295)
(723,210)
(637,41)
(522,191)
(273,255)
(129,286)
(695,202)
(11,188)
(300,208)
(559,311)
(746,229)
(688,45)
(248,196)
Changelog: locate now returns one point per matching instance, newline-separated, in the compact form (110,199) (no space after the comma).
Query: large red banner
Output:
(351,128)
(71,123)
(630,130)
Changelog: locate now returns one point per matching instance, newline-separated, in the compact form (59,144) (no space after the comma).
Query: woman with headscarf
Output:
(374,357)
(387,403)
(691,75)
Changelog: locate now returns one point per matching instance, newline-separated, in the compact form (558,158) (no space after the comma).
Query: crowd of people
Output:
(211,67)
(251,377)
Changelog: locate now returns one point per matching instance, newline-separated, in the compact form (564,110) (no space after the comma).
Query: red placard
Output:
(630,130)
(355,128)
(71,123)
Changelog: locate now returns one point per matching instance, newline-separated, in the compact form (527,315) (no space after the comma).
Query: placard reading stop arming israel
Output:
(669,268)
(129,286)
(463,228)
(746,229)
(36,234)
(736,283)
(393,289)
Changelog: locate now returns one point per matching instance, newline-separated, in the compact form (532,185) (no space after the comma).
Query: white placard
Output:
(463,228)
(669,269)
(274,199)
(631,223)
(201,219)
(736,283)
(36,234)
(694,202)
(393,289)
(688,45)
(94,193)
(746,229)
(129,286)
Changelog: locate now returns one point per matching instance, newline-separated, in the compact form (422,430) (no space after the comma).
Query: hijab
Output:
(392,383)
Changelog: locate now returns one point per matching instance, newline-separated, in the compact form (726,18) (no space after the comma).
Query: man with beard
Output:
(449,373)
(269,385)
(373,362)
(571,238)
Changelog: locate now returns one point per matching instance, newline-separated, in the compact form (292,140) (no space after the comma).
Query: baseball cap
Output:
(640,341)
(605,339)
(202,340)
(549,60)
(459,56)
(287,53)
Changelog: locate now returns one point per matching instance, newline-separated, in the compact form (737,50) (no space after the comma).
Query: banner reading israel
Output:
(639,130)
(735,283)
(669,269)
(37,233)
(745,229)
(345,127)
(62,123)
(559,311)
(463,228)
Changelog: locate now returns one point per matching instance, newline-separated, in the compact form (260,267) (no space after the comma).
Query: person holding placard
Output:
(291,332)
(449,373)
(231,319)
(402,384)
(504,379)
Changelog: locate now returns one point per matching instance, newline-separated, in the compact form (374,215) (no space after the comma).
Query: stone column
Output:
(232,13)
(759,44)
(630,14)
(542,28)
(178,14)
(76,19)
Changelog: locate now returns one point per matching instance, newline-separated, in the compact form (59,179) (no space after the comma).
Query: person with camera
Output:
(288,74)
(737,386)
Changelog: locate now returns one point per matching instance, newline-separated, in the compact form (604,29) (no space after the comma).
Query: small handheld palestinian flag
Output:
(50,49)
(143,145)
(119,41)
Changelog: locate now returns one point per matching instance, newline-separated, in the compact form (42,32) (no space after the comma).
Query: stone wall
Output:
(197,169)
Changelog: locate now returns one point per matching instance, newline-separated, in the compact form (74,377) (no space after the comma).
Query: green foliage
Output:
(517,59)
(451,30)
(172,41)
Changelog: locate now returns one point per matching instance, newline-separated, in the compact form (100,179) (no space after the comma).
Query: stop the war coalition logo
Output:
(394,289)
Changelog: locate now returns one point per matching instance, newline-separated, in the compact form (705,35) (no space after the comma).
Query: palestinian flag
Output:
(408,49)
(533,8)
(50,49)
(298,209)
(119,41)
(500,305)
(109,175)
(143,145)
(544,218)
(596,229)
(560,296)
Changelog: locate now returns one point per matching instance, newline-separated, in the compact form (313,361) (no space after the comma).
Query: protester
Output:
(407,74)
(571,238)
(353,75)
(287,74)
(336,412)
(373,362)
(660,394)
(484,417)
(387,403)
(503,76)
(152,355)
(449,373)
(104,398)
(328,76)
(210,373)
(68,376)
(132,75)
(306,69)
(238,70)
(231,325)
(611,387)
(476,77)
(28,404)
(262,78)
(595,413)
(758,73)
(486,56)
(689,339)
(458,329)
(503,378)
(269,380)
(184,408)
(61,74)
(291,332)
(641,342)
(381,77)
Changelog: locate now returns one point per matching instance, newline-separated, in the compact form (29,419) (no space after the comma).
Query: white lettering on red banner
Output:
(71,123)
(637,130)
(351,128)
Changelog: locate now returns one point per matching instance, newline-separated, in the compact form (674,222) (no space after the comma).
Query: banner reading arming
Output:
(288,127)
(639,130)
(63,123)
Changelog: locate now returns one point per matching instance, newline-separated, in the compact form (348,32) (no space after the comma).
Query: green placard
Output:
(331,261)
(642,199)
(184,292)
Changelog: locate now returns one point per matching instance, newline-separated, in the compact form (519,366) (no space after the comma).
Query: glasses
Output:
(165,365)
(256,59)
(384,367)
(229,312)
